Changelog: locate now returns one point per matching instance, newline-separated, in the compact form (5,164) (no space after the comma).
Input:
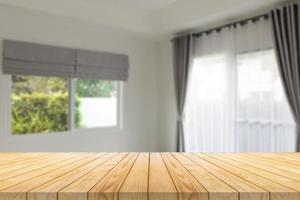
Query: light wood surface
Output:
(149,176)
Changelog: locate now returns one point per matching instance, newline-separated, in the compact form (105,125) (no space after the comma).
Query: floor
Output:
(95,176)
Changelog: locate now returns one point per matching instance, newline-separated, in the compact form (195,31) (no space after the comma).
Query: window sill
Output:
(76,132)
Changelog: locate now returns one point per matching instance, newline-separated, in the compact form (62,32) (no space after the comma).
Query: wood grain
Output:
(135,186)
(19,191)
(216,187)
(247,190)
(108,188)
(277,191)
(187,186)
(161,185)
(50,189)
(149,176)
(79,189)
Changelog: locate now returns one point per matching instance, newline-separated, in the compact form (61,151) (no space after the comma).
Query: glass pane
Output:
(208,110)
(260,93)
(204,75)
(95,103)
(262,108)
(39,104)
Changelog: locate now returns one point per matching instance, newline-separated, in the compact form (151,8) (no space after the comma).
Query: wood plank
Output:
(35,173)
(135,187)
(274,159)
(50,189)
(247,190)
(20,164)
(261,164)
(277,191)
(217,189)
(20,157)
(19,191)
(187,186)
(12,166)
(290,155)
(79,189)
(154,176)
(33,166)
(161,186)
(110,185)
(295,185)
(9,156)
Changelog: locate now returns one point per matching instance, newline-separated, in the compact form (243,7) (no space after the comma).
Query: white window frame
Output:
(97,130)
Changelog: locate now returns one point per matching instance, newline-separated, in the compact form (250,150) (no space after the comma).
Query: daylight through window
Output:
(52,104)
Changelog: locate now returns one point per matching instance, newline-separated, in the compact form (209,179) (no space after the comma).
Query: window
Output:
(236,103)
(208,111)
(95,103)
(52,104)
(260,96)
(262,109)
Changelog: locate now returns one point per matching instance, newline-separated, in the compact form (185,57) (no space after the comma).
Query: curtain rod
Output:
(242,22)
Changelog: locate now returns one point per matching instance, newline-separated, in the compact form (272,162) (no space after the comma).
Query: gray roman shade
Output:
(36,59)
(43,60)
(101,65)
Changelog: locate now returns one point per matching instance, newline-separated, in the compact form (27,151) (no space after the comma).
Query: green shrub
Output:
(41,113)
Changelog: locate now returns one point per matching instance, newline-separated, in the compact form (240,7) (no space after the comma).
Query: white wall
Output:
(166,98)
(181,16)
(140,92)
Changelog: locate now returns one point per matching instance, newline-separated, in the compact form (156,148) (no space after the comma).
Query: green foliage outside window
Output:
(41,113)
(95,88)
(46,85)
(40,104)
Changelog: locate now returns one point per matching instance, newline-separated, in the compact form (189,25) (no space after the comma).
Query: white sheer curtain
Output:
(235,100)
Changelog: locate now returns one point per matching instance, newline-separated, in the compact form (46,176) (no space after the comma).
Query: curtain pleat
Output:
(286,28)
(181,63)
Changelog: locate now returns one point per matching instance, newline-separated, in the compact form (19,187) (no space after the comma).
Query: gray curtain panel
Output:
(286,30)
(181,63)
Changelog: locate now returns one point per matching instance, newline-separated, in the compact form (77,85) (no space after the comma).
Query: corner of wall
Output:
(166,109)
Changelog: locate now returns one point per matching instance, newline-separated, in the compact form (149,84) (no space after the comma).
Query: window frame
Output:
(71,129)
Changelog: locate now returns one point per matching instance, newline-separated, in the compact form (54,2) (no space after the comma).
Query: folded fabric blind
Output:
(101,65)
(44,60)
(36,59)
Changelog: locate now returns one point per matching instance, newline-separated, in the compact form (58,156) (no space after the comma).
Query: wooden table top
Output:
(153,176)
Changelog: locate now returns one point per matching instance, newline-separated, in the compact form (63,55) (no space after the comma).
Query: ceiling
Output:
(150,18)
(145,6)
